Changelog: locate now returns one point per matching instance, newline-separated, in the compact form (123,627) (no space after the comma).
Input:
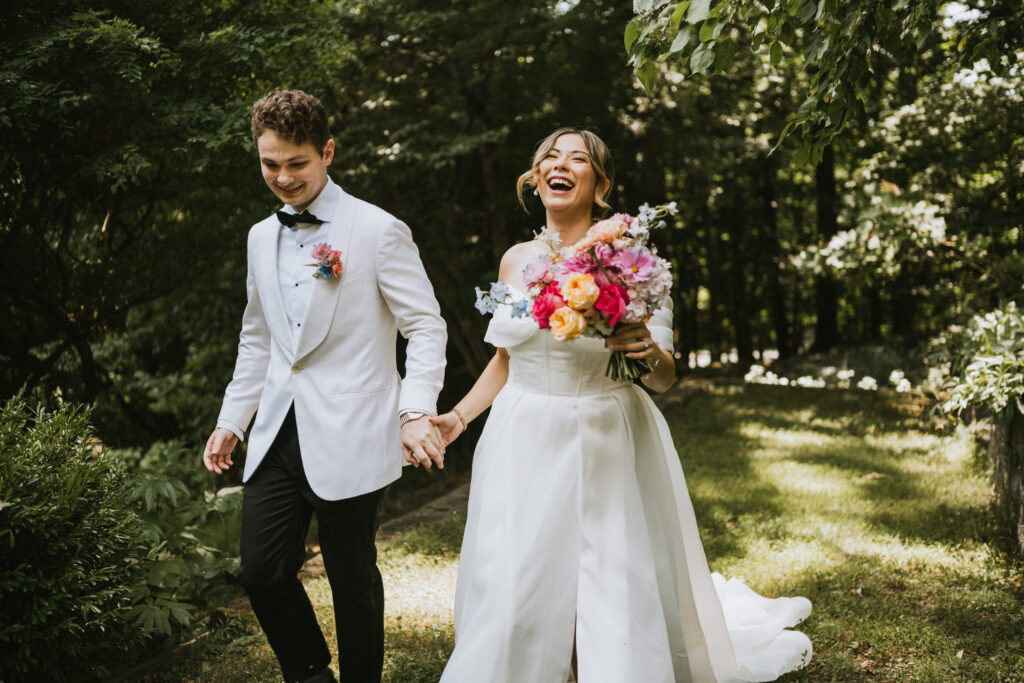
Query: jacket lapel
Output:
(265,270)
(324,297)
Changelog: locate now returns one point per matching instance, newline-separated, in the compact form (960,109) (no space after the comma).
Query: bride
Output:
(581,543)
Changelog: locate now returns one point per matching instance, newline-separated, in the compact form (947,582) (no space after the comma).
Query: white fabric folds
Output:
(580,527)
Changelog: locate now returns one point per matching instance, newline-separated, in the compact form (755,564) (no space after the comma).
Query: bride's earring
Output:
(536,192)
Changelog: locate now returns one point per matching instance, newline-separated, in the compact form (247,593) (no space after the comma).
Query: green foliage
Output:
(71,545)
(845,46)
(987,362)
(888,232)
(194,533)
(124,208)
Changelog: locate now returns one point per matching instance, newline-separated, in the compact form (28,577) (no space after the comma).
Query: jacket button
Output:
(296,370)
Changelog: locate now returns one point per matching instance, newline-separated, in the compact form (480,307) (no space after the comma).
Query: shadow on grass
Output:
(876,619)
(717,462)
(441,540)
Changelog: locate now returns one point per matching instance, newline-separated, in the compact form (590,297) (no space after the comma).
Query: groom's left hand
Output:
(422,443)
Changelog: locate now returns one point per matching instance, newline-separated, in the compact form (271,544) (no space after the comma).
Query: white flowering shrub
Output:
(867,383)
(987,362)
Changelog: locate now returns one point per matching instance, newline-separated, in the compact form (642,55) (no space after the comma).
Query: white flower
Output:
(867,383)
(755,373)
(845,375)
(903,386)
(896,376)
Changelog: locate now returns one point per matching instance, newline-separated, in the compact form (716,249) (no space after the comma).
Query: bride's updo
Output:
(600,160)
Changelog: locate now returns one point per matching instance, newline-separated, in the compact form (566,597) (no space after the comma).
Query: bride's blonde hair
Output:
(600,161)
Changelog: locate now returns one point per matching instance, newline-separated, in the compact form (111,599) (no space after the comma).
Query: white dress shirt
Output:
(294,254)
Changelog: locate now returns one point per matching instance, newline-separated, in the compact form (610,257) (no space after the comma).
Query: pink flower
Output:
(636,264)
(547,302)
(604,254)
(322,251)
(537,273)
(611,302)
(608,230)
(583,263)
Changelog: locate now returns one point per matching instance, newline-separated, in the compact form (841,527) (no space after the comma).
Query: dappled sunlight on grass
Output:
(845,498)
(884,524)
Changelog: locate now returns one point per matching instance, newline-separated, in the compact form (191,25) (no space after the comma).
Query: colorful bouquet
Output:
(609,278)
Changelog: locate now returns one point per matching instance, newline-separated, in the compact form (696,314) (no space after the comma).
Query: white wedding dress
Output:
(580,526)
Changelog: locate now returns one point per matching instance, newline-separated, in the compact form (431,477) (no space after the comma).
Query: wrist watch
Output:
(409,417)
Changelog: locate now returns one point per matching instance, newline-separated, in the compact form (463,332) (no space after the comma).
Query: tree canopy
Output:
(129,179)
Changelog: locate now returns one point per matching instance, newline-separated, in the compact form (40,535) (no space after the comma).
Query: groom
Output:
(316,355)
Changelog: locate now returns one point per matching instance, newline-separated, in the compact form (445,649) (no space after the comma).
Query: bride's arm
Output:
(494,376)
(479,398)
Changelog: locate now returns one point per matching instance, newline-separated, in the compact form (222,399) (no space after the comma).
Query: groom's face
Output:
(295,173)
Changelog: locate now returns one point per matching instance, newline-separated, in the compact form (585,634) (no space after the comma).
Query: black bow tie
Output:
(293,219)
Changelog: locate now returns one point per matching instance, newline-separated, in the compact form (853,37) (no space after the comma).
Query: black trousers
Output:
(276,510)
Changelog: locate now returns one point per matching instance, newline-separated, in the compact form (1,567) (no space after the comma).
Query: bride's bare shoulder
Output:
(516,258)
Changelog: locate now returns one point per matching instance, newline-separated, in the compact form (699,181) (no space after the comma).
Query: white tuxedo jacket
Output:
(340,370)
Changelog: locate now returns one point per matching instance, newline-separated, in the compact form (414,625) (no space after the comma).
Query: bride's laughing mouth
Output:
(560,185)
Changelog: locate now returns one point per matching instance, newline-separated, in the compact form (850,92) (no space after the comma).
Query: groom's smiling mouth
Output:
(560,184)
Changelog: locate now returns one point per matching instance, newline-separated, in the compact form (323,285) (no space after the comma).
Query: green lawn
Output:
(847,498)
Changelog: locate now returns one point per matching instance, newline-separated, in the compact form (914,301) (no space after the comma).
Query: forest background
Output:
(849,177)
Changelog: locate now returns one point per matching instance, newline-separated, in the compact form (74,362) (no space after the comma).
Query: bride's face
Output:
(566,179)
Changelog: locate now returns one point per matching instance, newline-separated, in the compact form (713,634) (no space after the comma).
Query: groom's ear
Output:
(328,152)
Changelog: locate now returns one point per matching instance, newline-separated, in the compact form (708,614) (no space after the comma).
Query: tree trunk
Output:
(771,263)
(875,316)
(826,289)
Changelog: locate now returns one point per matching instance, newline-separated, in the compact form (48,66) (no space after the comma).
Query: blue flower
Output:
(485,305)
(521,308)
(499,290)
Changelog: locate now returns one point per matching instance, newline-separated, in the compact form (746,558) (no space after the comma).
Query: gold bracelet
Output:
(465,425)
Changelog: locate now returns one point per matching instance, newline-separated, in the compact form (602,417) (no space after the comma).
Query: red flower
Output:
(611,302)
(547,302)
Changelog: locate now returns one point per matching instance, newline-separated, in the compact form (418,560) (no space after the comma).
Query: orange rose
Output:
(567,324)
(579,290)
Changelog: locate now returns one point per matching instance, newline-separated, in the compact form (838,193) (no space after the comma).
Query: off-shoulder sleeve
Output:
(505,331)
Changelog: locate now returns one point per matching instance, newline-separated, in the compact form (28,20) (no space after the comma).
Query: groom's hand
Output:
(217,456)
(422,443)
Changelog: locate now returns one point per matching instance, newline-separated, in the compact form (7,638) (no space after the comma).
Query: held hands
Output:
(217,456)
(422,443)
(449,425)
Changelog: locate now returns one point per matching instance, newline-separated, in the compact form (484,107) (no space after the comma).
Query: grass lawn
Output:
(847,498)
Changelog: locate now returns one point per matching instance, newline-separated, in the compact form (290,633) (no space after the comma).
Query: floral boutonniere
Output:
(328,261)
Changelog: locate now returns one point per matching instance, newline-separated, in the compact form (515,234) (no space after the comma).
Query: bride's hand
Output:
(635,340)
(450,426)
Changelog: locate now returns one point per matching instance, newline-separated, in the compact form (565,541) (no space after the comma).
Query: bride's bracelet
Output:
(465,425)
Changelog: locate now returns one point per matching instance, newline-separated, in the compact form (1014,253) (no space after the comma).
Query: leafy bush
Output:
(71,543)
(987,362)
(195,534)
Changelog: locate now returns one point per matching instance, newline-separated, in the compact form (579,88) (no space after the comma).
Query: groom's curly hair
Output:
(293,115)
